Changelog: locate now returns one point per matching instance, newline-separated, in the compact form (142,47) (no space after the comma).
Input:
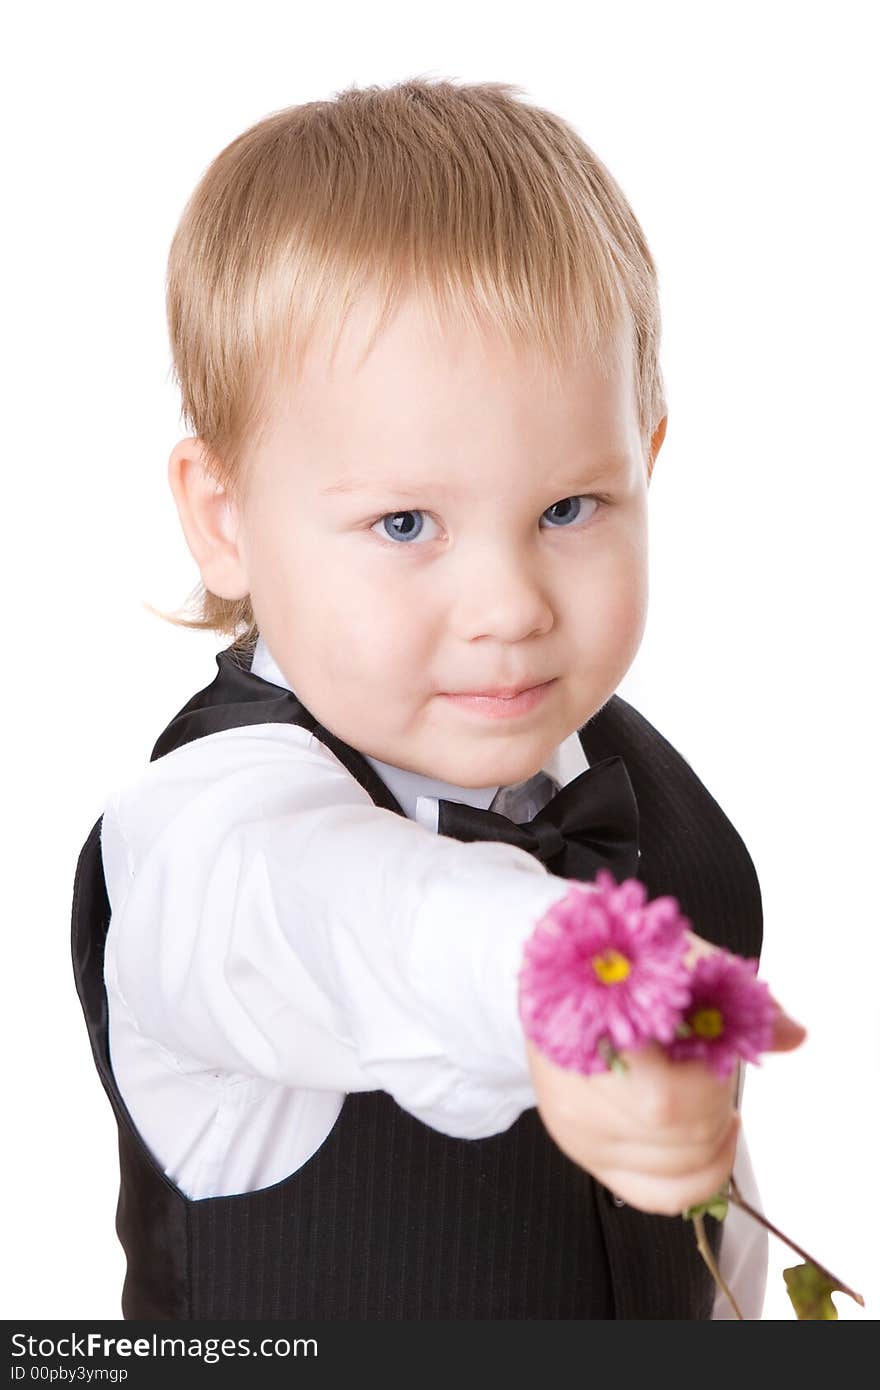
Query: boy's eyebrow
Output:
(599,469)
(377,485)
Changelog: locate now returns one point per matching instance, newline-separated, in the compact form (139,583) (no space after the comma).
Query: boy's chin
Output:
(502,773)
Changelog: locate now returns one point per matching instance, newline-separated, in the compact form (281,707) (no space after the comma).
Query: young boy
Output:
(416,333)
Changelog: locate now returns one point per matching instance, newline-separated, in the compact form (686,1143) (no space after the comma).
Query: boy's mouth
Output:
(502,706)
(501,692)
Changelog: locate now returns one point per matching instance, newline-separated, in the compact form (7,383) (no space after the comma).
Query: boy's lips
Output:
(507,706)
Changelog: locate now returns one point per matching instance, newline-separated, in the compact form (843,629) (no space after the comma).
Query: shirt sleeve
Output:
(742,1260)
(269,920)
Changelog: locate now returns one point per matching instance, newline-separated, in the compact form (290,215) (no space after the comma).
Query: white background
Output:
(745,138)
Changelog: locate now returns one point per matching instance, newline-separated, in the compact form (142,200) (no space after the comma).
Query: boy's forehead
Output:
(419,380)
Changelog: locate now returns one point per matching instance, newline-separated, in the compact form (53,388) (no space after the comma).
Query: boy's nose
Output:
(503,601)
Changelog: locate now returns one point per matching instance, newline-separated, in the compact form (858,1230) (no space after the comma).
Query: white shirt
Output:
(278,940)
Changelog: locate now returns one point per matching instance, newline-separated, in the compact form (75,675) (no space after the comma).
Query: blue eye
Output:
(401,526)
(565,504)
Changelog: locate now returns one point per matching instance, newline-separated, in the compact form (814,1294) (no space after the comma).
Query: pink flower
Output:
(603,969)
(730,1014)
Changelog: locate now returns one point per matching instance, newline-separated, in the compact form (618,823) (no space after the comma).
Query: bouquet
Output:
(606,972)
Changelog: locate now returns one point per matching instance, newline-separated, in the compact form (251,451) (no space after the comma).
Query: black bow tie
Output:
(590,824)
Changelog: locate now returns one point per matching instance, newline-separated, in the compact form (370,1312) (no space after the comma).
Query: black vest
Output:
(390,1218)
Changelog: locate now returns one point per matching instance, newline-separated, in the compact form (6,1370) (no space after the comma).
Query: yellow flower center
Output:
(707,1023)
(611,967)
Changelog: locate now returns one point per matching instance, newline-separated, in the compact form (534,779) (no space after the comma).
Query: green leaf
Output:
(810,1292)
(611,1057)
(716,1206)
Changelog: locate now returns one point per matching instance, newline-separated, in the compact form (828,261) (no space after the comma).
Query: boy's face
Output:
(430,522)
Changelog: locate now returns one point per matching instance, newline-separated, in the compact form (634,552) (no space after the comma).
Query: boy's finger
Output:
(787,1032)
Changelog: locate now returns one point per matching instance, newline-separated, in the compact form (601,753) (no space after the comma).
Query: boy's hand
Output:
(663,1136)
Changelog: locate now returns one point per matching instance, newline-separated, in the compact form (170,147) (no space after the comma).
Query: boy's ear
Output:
(209,518)
(657,439)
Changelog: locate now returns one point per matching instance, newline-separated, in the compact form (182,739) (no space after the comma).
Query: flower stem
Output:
(706,1252)
(738,1200)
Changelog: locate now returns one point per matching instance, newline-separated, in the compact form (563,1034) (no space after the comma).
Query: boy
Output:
(416,336)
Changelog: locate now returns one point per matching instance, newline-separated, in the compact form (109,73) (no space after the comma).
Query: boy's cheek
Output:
(612,629)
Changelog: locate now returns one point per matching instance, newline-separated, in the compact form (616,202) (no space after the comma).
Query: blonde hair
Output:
(493,210)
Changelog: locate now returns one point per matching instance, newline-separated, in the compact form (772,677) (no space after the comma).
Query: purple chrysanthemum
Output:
(730,1014)
(603,969)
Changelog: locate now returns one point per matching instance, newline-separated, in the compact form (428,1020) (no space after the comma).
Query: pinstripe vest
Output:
(390,1218)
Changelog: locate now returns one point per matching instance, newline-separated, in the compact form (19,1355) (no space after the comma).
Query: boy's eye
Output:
(401,526)
(564,511)
(409,525)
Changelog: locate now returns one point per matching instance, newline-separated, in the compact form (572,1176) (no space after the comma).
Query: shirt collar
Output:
(565,763)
